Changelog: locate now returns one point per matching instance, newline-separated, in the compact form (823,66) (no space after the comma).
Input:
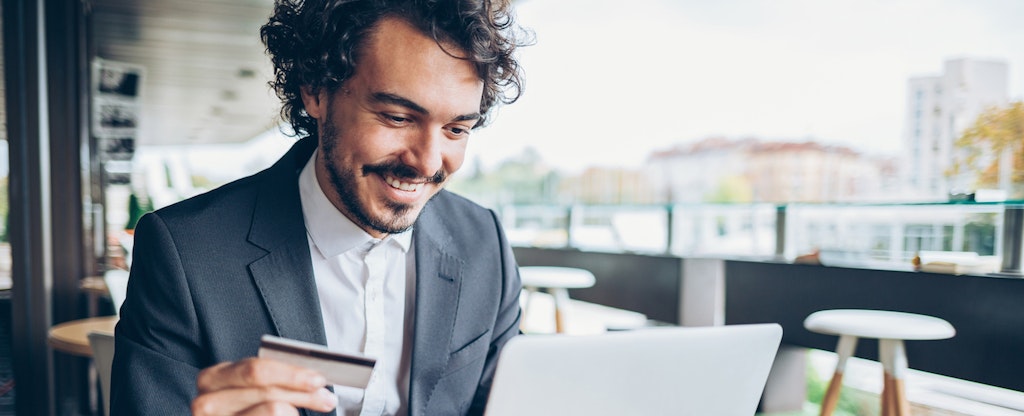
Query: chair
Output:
(556,281)
(890,328)
(102,345)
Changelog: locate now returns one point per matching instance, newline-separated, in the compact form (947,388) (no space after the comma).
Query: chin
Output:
(395,218)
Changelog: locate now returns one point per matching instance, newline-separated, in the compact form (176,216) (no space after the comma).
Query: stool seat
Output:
(879,324)
(556,277)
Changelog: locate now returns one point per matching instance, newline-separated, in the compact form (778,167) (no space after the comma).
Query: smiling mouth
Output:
(403,186)
(403,177)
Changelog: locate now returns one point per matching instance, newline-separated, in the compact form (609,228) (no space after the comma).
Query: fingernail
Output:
(327,398)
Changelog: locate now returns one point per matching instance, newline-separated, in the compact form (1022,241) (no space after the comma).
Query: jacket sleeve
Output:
(506,325)
(157,353)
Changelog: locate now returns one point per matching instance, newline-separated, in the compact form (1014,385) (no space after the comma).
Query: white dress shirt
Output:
(366,288)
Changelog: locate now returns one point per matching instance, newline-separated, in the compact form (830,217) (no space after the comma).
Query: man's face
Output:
(394,132)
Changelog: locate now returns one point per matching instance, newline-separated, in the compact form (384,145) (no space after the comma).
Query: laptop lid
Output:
(656,371)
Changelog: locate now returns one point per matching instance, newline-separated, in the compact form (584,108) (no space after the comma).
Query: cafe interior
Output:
(912,340)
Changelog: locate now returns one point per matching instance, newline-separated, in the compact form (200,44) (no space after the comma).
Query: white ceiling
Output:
(206,73)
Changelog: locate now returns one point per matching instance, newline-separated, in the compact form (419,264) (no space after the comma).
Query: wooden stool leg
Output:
(893,355)
(887,402)
(900,374)
(561,296)
(845,348)
(885,357)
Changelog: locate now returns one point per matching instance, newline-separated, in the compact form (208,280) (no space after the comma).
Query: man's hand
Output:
(259,386)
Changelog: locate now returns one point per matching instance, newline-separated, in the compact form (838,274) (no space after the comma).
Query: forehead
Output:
(399,58)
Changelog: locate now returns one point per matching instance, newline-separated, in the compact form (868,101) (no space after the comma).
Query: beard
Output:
(398,217)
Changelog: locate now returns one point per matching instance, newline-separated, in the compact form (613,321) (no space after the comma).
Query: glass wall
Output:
(6,371)
(5,248)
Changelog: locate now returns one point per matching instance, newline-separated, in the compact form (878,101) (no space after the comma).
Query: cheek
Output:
(455,154)
(370,145)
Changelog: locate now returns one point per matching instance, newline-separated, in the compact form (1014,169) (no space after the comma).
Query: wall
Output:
(987,312)
(641,283)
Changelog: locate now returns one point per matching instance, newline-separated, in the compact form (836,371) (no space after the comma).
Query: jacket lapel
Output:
(438,279)
(285,275)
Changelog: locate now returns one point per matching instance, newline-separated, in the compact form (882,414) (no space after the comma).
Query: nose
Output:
(425,152)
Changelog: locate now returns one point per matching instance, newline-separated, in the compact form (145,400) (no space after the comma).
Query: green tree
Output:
(981,148)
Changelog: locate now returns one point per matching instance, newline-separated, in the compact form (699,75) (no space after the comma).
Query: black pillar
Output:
(67,72)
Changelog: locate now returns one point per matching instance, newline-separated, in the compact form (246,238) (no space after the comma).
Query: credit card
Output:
(339,368)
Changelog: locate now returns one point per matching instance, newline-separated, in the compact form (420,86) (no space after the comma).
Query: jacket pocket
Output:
(473,351)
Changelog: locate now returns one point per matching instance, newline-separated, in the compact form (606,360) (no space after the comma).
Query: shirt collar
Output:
(331,231)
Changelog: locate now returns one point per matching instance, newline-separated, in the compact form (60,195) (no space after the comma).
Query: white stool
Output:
(890,328)
(557,281)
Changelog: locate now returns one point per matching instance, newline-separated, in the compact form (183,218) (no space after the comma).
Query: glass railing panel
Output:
(536,225)
(723,230)
(620,228)
(885,236)
(890,236)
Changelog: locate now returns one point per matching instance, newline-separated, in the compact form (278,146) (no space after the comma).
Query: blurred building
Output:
(938,109)
(749,170)
(688,173)
(598,185)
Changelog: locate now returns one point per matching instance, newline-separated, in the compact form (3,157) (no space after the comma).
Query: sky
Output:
(607,82)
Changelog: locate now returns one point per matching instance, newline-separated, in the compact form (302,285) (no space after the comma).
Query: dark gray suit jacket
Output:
(212,274)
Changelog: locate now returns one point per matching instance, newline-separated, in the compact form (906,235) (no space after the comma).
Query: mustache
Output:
(402,171)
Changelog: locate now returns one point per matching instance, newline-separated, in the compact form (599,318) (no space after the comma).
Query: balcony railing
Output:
(886,236)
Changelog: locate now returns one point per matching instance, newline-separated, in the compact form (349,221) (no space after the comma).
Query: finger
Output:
(263,400)
(258,372)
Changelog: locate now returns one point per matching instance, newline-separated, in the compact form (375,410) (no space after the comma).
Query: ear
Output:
(315,104)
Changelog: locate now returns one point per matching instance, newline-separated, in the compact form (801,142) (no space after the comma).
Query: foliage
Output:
(851,401)
(136,209)
(202,182)
(982,144)
(732,189)
(523,179)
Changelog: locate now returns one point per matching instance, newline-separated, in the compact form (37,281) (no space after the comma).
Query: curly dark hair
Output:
(316,43)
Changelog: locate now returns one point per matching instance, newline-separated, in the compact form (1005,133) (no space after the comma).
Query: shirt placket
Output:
(374,396)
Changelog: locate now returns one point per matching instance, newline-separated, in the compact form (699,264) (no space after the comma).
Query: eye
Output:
(395,118)
(459,131)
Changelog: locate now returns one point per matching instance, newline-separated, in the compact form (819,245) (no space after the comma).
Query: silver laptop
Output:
(702,371)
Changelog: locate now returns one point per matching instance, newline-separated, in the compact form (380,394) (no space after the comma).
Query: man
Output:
(348,240)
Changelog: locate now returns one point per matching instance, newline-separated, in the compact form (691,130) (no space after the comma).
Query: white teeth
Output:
(395,183)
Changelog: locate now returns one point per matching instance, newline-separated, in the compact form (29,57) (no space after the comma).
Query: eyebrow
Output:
(388,98)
